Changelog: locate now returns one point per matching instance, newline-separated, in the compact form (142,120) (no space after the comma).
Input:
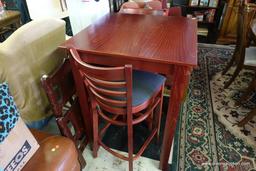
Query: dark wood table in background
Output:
(166,45)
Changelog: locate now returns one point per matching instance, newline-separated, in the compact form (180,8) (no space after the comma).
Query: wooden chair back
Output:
(115,5)
(131,5)
(109,88)
(60,90)
(155,5)
(175,11)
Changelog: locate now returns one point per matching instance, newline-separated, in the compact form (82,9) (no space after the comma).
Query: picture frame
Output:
(204,3)
(194,2)
(213,3)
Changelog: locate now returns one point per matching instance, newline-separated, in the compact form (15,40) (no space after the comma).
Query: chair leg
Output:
(149,121)
(231,62)
(159,113)
(235,74)
(95,134)
(81,159)
(130,142)
(247,118)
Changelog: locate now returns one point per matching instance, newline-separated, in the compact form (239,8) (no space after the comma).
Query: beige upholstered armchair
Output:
(25,56)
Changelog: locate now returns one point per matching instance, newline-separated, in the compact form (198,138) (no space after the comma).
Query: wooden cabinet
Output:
(228,27)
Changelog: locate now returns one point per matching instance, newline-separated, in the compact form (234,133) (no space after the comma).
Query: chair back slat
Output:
(107,92)
(110,101)
(107,86)
(112,109)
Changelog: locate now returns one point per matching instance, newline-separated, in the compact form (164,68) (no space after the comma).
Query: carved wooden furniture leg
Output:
(245,15)
(231,62)
(247,118)
(235,74)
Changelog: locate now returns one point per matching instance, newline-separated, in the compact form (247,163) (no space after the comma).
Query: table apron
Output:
(162,68)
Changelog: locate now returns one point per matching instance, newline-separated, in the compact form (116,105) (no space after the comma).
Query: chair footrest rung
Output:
(142,149)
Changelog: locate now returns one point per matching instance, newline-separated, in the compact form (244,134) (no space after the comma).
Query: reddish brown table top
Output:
(163,39)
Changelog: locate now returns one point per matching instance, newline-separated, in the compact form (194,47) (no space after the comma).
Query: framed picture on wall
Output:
(213,3)
(194,2)
(204,3)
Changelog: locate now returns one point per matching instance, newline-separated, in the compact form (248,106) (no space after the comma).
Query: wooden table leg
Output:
(180,82)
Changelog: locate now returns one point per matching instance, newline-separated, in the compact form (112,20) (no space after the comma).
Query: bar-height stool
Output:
(123,97)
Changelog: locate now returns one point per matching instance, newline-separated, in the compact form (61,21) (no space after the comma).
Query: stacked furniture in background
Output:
(244,54)
(149,8)
(250,54)
(239,58)
(228,31)
(60,89)
(30,52)
(20,6)
(25,56)
(9,22)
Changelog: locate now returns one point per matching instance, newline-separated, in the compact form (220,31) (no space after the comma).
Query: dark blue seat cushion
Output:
(144,85)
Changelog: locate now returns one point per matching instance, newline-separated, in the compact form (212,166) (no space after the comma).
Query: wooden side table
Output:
(9,21)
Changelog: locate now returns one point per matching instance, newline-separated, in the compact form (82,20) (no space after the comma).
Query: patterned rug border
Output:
(233,128)
(218,149)
(236,132)
(180,143)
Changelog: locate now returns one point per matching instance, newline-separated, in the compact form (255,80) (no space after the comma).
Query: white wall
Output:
(83,12)
(45,8)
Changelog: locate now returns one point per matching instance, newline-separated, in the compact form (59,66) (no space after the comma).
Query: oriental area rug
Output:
(206,137)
